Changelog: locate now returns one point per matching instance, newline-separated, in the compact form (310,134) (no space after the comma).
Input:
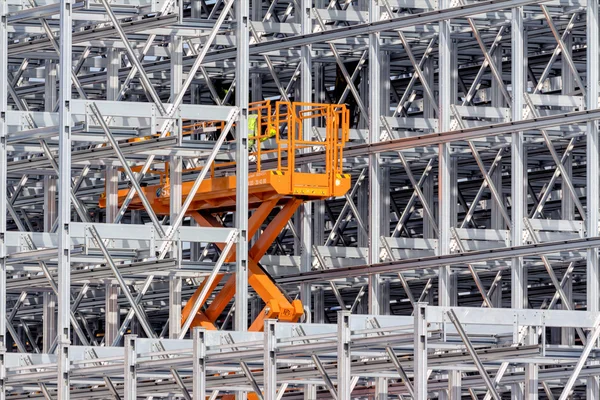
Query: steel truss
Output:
(462,263)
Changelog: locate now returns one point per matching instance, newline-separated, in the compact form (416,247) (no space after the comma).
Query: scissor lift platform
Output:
(283,188)
(218,194)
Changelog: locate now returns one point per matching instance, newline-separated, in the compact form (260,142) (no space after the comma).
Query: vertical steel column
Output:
(593,171)
(112,316)
(241,208)
(374,212)
(113,59)
(129,369)
(384,183)
(111,291)
(318,238)
(518,182)
(270,361)
(497,100)
(428,185)
(50,89)
(447,172)
(175,170)
(420,358)
(344,357)
(531,370)
(305,209)
(319,306)
(3,186)
(49,321)
(374,159)
(567,204)
(444,165)
(50,210)
(195,89)
(199,368)
(362,206)
(518,187)
(256,86)
(385,297)
(112,193)
(64,201)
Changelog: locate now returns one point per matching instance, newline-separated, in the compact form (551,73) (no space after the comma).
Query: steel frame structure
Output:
(463,263)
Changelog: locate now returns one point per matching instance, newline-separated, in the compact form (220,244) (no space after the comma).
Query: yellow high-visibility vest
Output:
(253,128)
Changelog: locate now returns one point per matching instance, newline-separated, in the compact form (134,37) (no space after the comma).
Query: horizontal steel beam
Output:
(439,261)
(94,154)
(96,33)
(40,12)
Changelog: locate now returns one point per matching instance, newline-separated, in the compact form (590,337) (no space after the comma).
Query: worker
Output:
(253,131)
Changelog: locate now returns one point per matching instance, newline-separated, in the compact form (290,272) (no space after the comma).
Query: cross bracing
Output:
(461,262)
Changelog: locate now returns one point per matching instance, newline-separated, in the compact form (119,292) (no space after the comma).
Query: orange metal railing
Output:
(288,120)
(295,116)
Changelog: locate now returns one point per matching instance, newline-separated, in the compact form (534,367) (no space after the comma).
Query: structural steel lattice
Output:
(462,263)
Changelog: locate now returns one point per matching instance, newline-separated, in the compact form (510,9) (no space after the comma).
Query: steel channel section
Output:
(420,352)
(519,190)
(111,291)
(176,166)
(375,175)
(64,202)
(130,368)
(593,172)
(3,187)
(344,356)
(241,210)
(306,209)
(567,211)
(199,367)
(518,185)
(270,361)
(374,172)
(446,285)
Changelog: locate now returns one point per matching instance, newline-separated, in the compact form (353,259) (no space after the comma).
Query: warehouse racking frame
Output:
(463,262)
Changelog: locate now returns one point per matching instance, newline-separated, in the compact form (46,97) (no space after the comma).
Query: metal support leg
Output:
(531,372)
(199,378)
(270,360)
(344,357)
(130,371)
(420,358)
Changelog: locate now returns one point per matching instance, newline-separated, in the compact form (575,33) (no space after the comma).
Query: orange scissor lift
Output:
(275,182)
